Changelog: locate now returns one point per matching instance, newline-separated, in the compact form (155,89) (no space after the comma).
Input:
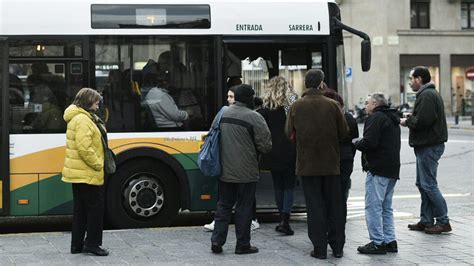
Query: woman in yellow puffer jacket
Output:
(84,168)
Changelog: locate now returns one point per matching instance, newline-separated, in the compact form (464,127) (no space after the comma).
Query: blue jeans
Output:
(378,208)
(433,204)
(283,185)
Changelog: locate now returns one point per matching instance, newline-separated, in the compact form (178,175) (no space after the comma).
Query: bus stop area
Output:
(191,246)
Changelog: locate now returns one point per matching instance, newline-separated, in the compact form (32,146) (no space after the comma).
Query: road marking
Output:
(415,196)
(451,141)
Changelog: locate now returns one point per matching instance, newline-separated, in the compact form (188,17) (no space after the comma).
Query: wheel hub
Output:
(144,196)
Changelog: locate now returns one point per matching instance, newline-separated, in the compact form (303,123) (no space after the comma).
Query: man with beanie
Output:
(318,125)
(244,134)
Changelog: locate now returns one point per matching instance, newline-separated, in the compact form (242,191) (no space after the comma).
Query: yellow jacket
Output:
(84,161)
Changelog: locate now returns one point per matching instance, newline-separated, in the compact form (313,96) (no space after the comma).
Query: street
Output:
(455,177)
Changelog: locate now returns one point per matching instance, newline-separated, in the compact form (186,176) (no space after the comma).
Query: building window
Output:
(420,14)
(467,14)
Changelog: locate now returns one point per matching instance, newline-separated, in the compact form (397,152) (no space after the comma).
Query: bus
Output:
(50,49)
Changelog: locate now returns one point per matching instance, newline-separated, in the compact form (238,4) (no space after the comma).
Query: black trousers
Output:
(243,196)
(324,206)
(88,215)
(346,168)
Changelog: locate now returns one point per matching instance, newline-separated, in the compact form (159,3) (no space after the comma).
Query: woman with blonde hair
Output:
(281,160)
(84,168)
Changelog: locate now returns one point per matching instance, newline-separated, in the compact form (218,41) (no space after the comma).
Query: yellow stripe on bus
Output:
(25,169)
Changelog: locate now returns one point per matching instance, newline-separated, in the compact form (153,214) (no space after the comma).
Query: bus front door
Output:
(255,62)
(4,147)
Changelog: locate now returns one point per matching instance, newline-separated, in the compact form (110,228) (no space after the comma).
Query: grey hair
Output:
(379,98)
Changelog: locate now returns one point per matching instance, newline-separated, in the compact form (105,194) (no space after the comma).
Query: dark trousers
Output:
(283,185)
(346,168)
(324,206)
(243,196)
(88,215)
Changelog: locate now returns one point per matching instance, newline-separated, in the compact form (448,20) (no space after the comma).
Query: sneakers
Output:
(98,251)
(255,225)
(392,247)
(209,227)
(372,248)
(245,250)
(438,229)
(419,226)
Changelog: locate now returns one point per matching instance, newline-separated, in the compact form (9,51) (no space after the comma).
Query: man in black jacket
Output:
(428,133)
(380,147)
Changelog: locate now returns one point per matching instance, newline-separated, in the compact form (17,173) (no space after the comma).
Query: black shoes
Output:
(320,256)
(392,247)
(372,248)
(438,229)
(285,229)
(98,251)
(76,250)
(216,248)
(338,254)
(245,250)
(419,226)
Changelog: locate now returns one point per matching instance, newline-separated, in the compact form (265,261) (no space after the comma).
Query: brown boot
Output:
(438,229)
(419,226)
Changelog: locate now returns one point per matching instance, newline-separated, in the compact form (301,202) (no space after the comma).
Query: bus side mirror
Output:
(366,54)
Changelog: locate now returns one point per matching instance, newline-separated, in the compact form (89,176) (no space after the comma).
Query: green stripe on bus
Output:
(43,197)
(187,160)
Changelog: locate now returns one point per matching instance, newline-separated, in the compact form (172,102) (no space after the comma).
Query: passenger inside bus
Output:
(157,101)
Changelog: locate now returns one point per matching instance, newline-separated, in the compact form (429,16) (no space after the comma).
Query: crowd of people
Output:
(310,137)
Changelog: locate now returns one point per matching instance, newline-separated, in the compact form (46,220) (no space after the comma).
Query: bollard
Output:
(456,119)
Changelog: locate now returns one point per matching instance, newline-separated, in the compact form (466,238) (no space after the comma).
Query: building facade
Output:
(407,33)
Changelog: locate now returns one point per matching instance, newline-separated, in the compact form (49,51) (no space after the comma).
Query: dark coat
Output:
(244,134)
(428,122)
(283,154)
(380,145)
(319,127)
(348,149)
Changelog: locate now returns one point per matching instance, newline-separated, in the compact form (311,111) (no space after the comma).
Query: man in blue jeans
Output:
(380,147)
(428,133)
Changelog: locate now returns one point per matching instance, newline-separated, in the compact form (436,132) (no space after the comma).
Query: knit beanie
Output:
(244,94)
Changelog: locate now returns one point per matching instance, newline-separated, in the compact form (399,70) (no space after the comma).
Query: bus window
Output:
(37,97)
(133,75)
(260,62)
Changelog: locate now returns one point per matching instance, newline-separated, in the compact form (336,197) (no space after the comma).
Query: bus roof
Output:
(227,17)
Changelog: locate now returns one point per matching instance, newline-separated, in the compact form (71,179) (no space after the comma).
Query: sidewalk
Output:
(191,245)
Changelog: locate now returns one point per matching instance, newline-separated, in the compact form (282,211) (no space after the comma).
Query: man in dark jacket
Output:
(380,147)
(428,133)
(244,134)
(319,126)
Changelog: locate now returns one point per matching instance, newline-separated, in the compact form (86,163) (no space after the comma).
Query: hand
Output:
(403,122)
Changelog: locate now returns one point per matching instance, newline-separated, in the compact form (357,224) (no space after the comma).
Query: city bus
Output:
(50,49)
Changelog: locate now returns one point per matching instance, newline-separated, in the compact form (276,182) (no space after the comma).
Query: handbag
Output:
(109,161)
(209,160)
(109,156)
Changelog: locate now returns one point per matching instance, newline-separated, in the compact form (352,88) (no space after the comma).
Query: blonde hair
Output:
(86,97)
(277,93)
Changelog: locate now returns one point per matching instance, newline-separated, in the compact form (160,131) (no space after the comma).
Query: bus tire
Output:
(142,193)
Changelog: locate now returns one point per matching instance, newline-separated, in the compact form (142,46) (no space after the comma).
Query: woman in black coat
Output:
(281,160)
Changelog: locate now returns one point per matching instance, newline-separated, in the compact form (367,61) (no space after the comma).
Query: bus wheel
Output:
(142,193)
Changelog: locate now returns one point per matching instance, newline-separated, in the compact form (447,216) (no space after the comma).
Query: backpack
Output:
(209,159)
